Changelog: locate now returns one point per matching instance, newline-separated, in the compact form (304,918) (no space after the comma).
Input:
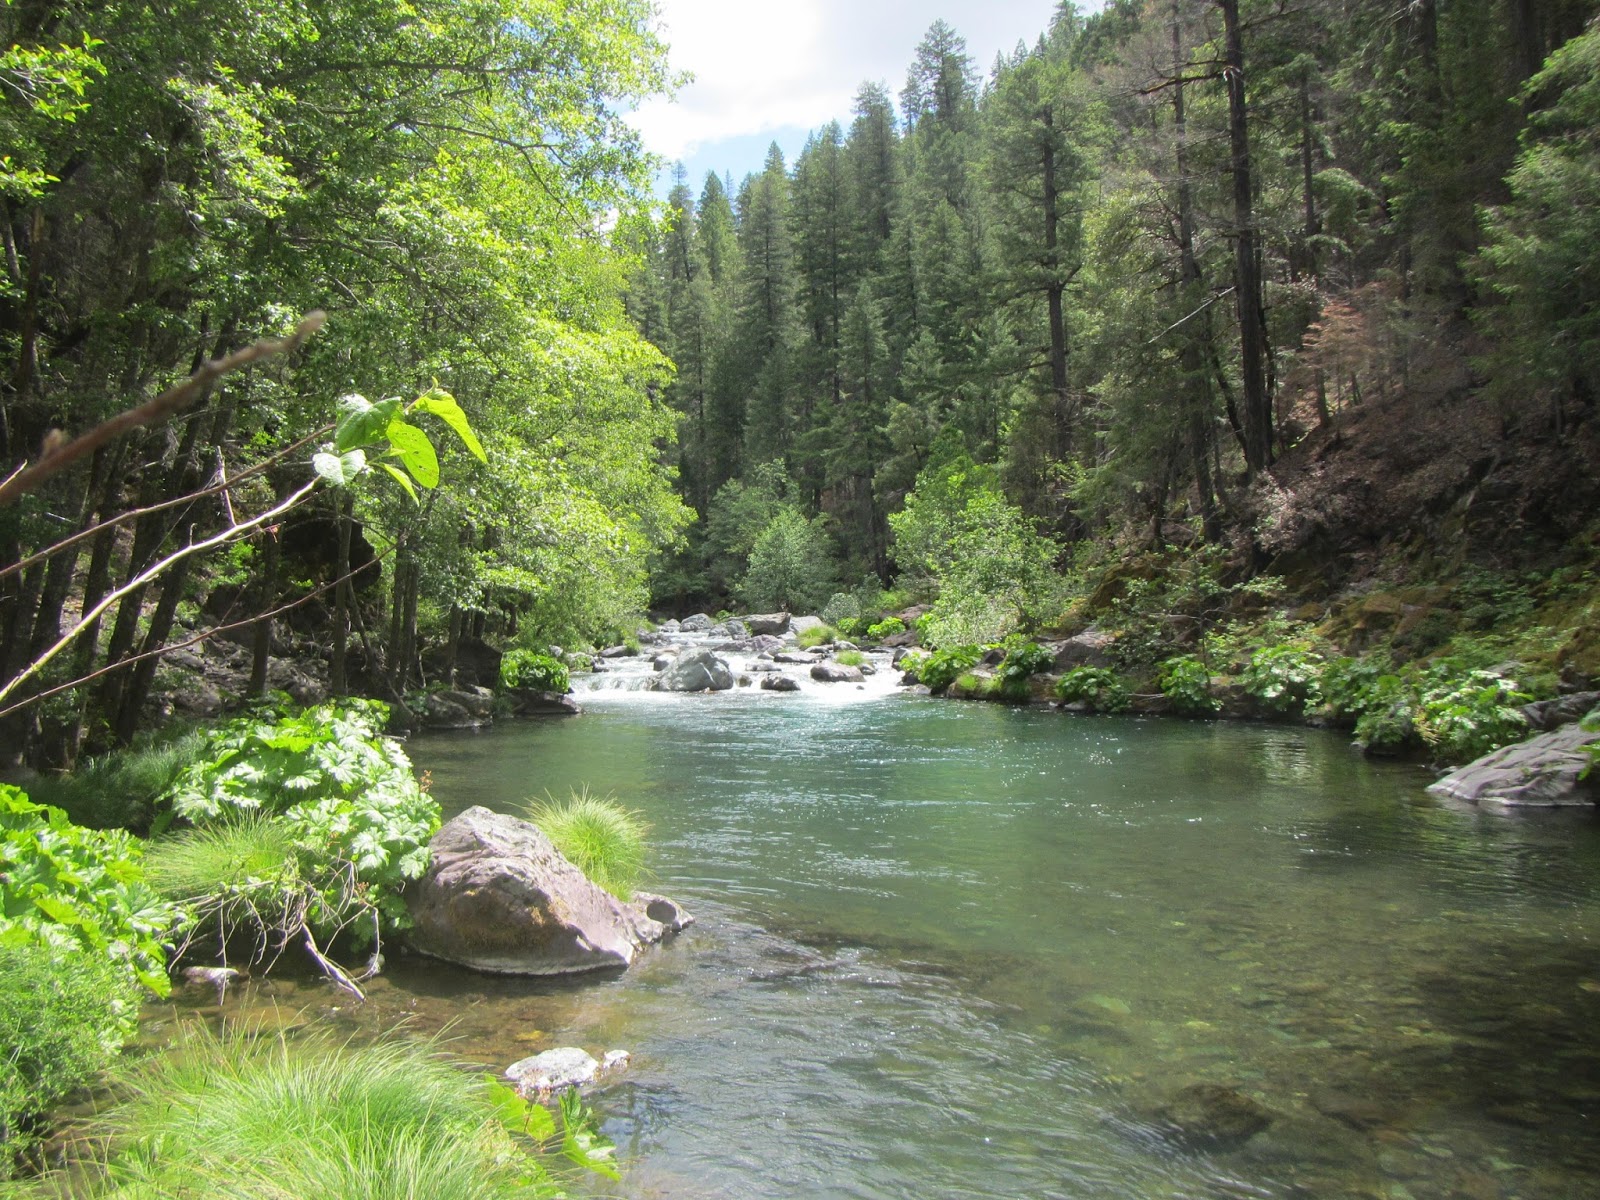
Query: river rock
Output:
(672,626)
(442,712)
(899,641)
(525,703)
(1542,772)
(499,898)
(553,1071)
(836,673)
(198,697)
(698,623)
(799,625)
(737,629)
(765,643)
(620,652)
(793,660)
(662,661)
(763,665)
(767,624)
(697,671)
(1091,648)
(1210,1115)
(1563,710)
(779,683)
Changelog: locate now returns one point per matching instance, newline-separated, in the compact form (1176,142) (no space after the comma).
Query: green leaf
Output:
(340,469)
(402,479)
(363,423)
(414,449)
(443,405)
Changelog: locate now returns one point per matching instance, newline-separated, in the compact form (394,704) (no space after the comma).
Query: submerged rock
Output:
(542,704)
(697,671)
(557,1070)
(1210,1115)
(499,898)
(1542,772)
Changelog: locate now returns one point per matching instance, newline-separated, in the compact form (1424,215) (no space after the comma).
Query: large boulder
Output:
(799,625)
(499,898)
(696,671)
(767,623)
(1091,648)
(698,623)
(528,703)
(832,672)
(1542,772)
(1563,710)
(779,683)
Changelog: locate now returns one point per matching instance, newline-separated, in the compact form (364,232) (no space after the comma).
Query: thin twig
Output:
(154,411)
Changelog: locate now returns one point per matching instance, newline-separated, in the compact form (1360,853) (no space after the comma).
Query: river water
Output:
(962,950)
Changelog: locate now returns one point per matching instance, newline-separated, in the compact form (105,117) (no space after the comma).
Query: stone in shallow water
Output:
(1208,1114)
(779,683)
(836,673)
(556,1070)
(697,671)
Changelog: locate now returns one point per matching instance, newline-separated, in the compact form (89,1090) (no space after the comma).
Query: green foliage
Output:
(851,626)
(1387,718)
(841,606)
(73,889)
(528,671)
(120,790)
(850,658)
(597,835)
(64,1014)
(1186,683)
(263,1118)
(1463,714)
(345,791)
(1098,688)
(1284,678)
(817,635)
(1024,661)
(942,668)
(887,628)
(914,662)
(791,567)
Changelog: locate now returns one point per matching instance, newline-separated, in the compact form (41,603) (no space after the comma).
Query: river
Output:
(962,950)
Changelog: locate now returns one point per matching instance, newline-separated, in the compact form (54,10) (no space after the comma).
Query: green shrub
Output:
(598,836)
(1387,723)
(914,663)
(922,625)
(1284,678)
(943,667)
(1465,714)
(75,889)
(886,628)
(1097,688)
(1186,683)
(850,658)
(119,791)
(1351,687)
(850,626)
(63,1017)
(529,671)
(259,1118)
(818,635)
(1025,661)
(841,606)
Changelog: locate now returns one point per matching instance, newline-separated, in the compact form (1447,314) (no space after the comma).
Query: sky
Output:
(774,70)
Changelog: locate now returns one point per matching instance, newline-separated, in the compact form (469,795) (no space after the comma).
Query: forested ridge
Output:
(1304,282)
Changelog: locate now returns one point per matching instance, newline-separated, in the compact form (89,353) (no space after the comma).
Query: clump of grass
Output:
(850,658)
(119,791)
(264,1118)
(597,835)
(221,858)
(820,635)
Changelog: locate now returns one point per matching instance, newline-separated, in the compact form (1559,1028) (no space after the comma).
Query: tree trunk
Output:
(1055,295)
(261,634)
(338,683)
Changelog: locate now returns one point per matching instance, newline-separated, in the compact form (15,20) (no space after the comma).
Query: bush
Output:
(914,662)
(527,670)
(1186,683)
(886,629)
(1351,687)
(119,791)
(943,667)
(1284,678)
(1098,688)
(1387,723)
(1025,661)
(819,635)
(841,606)
(73,889)
(1463,715)
(850,626)
(63,1017)
(258,1118)
(598,836)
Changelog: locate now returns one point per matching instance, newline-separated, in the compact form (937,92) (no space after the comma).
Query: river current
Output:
(963,950)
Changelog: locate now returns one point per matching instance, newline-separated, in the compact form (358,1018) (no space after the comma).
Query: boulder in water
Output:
(620,652)
(499,898)
(779,683)
(767,623)
(662,661)
(1542,772)
(542,704)
(697,671)
(765,643)
(1210,1115)
(698,623)
(830,672)
(557,1070)
(672,626)
(799,625)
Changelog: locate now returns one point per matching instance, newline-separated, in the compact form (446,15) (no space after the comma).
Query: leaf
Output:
(363,423)
(340,469)
(443,405)
(403,480)
(415,451)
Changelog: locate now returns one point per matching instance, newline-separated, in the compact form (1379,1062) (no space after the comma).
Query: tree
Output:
(790,568)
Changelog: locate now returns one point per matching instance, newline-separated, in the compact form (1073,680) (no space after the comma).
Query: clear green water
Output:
(955,950)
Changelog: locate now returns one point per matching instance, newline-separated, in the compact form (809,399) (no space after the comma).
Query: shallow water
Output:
(952,950)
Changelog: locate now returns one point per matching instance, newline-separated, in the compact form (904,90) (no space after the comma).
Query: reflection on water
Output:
(959,951)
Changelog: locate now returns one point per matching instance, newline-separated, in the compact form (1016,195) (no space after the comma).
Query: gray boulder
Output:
(698,623)
(672,626)
(830,672)
(779,683)
(799,625)
(1563,710)
(738,629)
(620,652)
(1091,648)
(556,1070)
(662,661)
(499,898)
(765,643)
(525,703)
(1542,772)
(697,671)
(767,623)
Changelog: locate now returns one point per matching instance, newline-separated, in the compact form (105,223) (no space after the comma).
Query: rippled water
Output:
(952,950)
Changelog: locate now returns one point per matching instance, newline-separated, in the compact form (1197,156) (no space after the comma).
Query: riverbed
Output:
(963,950)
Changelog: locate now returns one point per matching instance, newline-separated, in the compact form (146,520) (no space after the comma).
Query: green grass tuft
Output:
(598,836)
(205,862)
(821,635)
(850,658)
(119,791)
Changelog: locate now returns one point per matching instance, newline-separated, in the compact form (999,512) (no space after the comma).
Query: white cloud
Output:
(762,66)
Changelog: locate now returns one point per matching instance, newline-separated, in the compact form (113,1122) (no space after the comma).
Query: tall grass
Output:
(820,635)
(206,862)
(119,791)
(265,1118)
(598,836)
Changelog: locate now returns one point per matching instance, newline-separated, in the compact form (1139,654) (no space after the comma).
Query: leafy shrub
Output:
(529,671)
(1465,714)
(943,667)
(1351,687)
(63,1017)
(914,663)
(851,626)
(922,625)
(1388,715)
(1186,683)
(344,790)
(850,658)
(598,836)
(260,1118)
(1025,661)
(1098,688)
(817,635)
(841,606)
(74,889)
(1284,678)
(886,628)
